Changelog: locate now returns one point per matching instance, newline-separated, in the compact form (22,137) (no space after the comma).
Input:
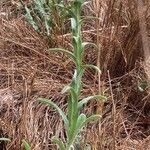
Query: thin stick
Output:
(113,112)
(96,5)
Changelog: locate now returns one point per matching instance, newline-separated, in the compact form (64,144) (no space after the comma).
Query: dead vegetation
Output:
(29,71)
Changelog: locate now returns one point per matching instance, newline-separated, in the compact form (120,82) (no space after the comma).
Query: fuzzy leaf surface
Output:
(52,104)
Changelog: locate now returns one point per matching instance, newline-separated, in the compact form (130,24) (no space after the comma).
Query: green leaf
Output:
(5,139)
(84,44)
(47,27)
(76,81)
(52,104)
(26,145)
(77,4)
(72,91)
(92,118)
(77,43)
(70,54)
(88,18)
(30,19)
(58,142)
(77,127)
(81,120)
(66,89)
(67,11)
(85,3)
(72,108)
(69,112)
(73,24)
(93,67)
(87,99)
(74,75)
(90,44)
(40,7)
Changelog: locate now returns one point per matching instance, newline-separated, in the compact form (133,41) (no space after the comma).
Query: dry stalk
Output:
(113,112)
(144,34)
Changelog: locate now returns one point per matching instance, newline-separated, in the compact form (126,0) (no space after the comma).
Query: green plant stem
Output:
(74,120)
(77,85)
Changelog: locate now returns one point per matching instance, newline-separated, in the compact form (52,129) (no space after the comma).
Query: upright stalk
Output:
(74,120)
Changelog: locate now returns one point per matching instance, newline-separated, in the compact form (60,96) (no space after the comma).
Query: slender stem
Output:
(77,85)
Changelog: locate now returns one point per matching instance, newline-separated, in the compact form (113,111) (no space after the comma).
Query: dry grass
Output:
(28,71)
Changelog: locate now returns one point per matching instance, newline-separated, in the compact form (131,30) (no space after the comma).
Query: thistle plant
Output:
(74,120)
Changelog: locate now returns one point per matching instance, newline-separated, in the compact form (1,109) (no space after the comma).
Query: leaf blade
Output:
(92,118)
(87,99)
(52,104)
(89,43)
(93,67)
(70,54)
(26,145)
(58,142)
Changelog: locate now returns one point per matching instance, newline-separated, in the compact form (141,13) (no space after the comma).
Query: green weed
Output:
(74,120)
(44,16)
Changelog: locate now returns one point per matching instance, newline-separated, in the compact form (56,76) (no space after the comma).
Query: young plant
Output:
(74,120)
(44,15)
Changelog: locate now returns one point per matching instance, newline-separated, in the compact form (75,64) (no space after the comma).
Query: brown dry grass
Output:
(28,71)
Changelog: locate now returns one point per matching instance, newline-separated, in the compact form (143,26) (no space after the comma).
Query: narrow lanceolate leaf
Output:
(5,139)
(93,67)
(81,119)
(89,44)
(84,2)
(26,145)
(87,99)
(73,24)
(40,7)
(47,27)
(72,103)
(92,118)
(70,54)
(77,127)
(71,90)
(58,142)
(89,18)
(30,19)
(66,89)
(52,104)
